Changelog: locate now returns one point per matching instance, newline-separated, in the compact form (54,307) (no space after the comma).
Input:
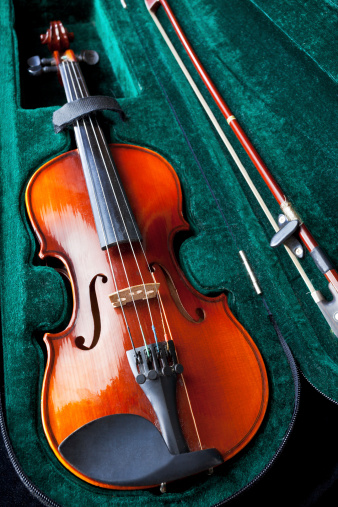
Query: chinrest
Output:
(128,450)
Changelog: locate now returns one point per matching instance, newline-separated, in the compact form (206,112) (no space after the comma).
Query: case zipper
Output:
(23,477)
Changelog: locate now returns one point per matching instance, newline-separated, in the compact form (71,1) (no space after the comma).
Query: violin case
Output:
(275,65)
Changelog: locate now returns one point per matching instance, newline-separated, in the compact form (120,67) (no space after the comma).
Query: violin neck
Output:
(112,213)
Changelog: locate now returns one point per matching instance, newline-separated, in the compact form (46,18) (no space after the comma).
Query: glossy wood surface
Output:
(223,393)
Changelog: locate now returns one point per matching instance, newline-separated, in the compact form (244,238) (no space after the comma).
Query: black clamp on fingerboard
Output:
(72,111)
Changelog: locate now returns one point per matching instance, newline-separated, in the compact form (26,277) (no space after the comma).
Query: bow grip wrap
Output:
(78,108)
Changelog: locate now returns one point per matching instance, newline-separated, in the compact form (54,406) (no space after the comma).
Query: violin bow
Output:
(290,222)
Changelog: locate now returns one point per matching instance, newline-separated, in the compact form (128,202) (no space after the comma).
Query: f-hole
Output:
(80,340)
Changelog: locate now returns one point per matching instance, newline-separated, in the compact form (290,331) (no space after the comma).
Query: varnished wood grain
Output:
(226,391)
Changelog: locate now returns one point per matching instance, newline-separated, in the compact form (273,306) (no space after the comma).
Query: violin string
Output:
(84,92)
(120,211)
(159,297)
(160,302)
(103,229)
(78,81)
(163,315)
(117,242)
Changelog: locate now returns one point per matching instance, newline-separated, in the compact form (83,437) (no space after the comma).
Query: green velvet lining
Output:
(275,71)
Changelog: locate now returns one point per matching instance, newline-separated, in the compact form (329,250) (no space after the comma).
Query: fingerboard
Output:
(114,219)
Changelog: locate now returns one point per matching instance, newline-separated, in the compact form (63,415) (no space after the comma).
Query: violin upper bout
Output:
(53,200)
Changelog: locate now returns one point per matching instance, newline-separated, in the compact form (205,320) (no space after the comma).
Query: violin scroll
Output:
(57,37)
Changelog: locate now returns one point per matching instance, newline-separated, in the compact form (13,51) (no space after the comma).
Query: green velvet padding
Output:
(275,66)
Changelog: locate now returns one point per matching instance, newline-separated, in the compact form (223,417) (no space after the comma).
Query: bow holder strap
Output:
(78,108)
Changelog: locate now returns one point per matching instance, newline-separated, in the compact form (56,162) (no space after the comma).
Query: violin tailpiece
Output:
(155,369)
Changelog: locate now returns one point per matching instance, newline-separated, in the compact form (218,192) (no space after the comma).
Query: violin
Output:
(150,381)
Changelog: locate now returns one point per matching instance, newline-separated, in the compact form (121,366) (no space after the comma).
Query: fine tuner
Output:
(39,66)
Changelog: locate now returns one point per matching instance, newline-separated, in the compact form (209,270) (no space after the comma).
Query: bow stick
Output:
(292,222)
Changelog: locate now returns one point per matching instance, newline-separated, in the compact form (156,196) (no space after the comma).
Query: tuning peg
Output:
(53,68)
(35,70)
(88,56)
(34,61)
(38,66)
(48,61)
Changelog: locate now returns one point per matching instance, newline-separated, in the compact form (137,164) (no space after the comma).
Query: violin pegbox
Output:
(58,40)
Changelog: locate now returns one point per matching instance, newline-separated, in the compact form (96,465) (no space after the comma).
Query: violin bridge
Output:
(143,291)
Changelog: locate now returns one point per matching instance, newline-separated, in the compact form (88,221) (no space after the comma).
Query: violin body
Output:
(222,394)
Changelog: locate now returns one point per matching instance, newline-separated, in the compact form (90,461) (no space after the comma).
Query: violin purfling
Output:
(150,381)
